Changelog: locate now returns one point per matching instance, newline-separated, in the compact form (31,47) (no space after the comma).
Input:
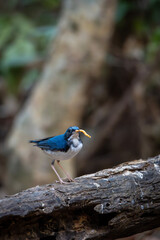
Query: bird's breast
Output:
(75,147)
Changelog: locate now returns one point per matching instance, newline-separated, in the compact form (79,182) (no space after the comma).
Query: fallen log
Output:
(109,204)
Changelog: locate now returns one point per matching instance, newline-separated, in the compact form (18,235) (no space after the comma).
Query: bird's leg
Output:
(60,179)
(69,178)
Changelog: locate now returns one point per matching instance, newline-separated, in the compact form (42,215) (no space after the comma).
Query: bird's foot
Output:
(67,181)
(71,180)
(62,182)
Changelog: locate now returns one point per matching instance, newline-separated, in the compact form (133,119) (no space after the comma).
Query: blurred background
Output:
(94,64)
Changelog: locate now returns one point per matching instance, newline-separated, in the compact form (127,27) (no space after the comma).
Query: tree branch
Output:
(112,203)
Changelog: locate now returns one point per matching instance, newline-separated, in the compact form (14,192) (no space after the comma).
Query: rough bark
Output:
(112,203)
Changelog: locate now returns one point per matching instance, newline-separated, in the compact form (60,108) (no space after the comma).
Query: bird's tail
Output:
(33,141)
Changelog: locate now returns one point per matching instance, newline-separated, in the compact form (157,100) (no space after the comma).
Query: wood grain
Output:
(109,204)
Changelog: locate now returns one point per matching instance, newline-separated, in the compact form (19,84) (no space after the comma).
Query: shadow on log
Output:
(109,204)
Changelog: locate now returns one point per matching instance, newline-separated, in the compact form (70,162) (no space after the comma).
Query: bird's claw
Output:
(69,181)
(62,182)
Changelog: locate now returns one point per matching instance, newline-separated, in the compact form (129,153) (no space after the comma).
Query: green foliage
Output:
(25,37)
(122,10)
(20,49)
(153,46)
(141,19)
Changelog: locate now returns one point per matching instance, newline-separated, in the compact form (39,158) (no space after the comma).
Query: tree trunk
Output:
(112,203)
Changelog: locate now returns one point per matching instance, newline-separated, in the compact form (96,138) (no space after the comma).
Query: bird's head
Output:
(73,132)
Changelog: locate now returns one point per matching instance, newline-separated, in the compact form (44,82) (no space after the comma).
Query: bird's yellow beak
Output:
(86,134)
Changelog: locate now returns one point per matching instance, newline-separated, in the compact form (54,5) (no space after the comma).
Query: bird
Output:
(62,147)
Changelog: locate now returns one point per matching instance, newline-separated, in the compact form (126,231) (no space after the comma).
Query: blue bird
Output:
(62,147)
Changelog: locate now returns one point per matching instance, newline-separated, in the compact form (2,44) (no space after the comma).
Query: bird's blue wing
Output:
(57,143)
